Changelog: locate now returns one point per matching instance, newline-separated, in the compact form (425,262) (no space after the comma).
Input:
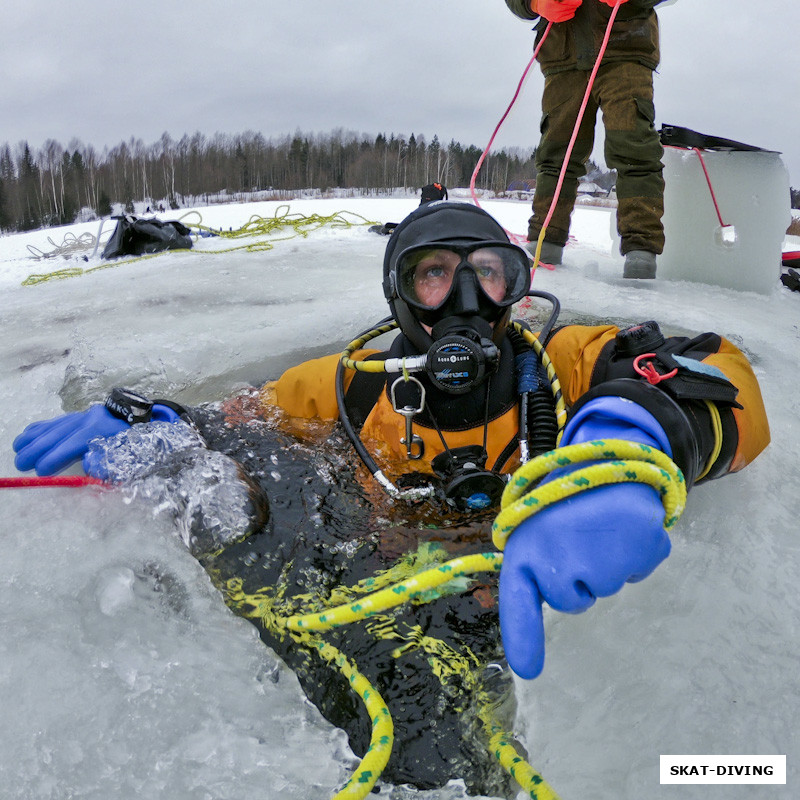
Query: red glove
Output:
(556,10)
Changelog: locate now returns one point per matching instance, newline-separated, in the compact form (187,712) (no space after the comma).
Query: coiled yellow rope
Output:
(623,462)
(300,224)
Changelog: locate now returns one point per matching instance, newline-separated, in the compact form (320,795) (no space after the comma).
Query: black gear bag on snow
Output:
(136,237)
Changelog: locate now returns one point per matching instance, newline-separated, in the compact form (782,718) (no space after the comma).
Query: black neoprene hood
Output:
(438,223)
(441,222)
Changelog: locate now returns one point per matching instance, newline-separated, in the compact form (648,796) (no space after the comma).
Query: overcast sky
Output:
(102,72)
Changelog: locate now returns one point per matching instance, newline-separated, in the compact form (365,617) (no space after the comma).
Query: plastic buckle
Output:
(649,371)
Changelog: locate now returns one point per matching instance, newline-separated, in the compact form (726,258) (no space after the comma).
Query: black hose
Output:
(344,416)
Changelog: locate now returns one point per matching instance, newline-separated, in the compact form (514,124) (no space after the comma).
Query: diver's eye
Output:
(488,273)
(488,264)
(431,272)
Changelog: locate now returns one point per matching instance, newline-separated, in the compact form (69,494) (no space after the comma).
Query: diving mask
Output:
(427,276)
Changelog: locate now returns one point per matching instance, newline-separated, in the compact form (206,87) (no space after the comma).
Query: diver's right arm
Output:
(52,445)
(308,390)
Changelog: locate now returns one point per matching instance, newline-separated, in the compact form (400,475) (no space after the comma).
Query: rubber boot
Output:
(640,264)
(551,253)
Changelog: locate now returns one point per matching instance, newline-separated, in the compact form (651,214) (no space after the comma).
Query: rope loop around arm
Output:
(620,462)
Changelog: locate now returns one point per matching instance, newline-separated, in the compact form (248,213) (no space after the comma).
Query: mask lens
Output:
(426,274)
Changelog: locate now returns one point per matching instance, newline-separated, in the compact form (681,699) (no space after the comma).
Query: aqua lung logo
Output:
(447,358)
(455,366)
(454,358)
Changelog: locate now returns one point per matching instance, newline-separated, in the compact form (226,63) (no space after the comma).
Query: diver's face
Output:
(435,271)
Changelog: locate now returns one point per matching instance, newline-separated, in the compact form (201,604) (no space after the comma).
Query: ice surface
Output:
(122,673)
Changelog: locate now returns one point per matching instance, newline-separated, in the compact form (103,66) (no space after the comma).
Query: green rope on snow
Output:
(256,226)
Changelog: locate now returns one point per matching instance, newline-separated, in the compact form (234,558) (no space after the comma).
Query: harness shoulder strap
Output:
(363,392)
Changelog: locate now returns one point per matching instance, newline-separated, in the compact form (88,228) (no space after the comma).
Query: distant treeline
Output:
(57,185)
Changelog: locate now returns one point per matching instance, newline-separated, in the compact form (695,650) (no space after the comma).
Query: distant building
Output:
(524,185)
(589,189)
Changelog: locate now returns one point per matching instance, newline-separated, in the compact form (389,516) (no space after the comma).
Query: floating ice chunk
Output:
(115,590)
(211,500)
(739,247)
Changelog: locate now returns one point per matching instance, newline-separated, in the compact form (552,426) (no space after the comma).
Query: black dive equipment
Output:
(462,355)
(466,482)
(637,339)
(450,276)
(135,408)
(129,406)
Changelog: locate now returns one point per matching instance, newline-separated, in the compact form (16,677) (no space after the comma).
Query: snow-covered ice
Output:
(123,674)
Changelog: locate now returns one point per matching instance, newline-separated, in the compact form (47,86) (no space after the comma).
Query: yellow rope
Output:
(256,226)
(380,747)
(716,424)
(517,767)
(412,589)
(539,242)
(403,592)
(623,462)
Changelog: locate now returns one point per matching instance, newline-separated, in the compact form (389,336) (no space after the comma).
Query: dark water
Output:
(328,528)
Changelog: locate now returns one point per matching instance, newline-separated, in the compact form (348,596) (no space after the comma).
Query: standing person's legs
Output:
(625,93)
(561,101)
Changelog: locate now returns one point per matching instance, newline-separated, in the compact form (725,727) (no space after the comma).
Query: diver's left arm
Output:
(705,394)
(707,416)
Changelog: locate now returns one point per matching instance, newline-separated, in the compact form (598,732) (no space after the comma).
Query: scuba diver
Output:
(462,398)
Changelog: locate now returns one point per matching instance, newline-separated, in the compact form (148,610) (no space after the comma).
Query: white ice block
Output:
(752,192)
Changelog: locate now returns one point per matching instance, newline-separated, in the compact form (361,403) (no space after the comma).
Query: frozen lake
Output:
(123,674)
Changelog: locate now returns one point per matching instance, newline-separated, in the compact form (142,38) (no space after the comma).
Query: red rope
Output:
(500,124)
(579,120)
(710,187)
(33,482)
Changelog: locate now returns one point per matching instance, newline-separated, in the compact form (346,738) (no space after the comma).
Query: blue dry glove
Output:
(586,546)
(53,445)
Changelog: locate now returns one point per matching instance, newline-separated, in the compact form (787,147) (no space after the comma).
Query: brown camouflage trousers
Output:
(624,93)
